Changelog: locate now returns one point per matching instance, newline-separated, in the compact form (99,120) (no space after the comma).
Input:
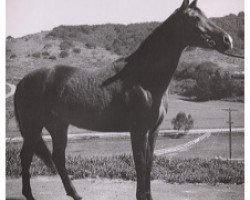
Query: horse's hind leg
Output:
(58,130)
(31,139)
(26,159)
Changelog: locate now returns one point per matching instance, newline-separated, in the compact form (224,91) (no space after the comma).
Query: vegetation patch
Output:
(36,55)
(125,39)
(205,81)
(66,44)
(13,56)
(77,50)
(90,45)
(64,54)
(52,57)
(122,167)
(45,54)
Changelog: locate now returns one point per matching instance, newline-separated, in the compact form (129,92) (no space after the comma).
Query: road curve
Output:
(12,90)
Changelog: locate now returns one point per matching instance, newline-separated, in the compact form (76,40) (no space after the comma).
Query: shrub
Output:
(45,53)
(90,45)
(85,29)
(77,50)
(9,37)
(36,55)
(181,121)
(52,57)
(66,44)
(64,54)
(47,46)
(13,56)
(210,82)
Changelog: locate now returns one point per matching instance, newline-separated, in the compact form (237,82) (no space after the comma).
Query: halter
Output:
(205,37)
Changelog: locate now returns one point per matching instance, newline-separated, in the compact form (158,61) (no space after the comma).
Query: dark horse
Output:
(125,96)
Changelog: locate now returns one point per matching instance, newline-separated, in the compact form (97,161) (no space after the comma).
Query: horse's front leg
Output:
(151,140)
(152,136)
(138,139)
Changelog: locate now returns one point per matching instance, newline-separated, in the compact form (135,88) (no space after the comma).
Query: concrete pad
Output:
(45,188)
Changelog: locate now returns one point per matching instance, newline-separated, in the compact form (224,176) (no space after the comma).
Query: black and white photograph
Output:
(124,100)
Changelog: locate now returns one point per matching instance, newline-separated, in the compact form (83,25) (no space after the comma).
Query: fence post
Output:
(229,110)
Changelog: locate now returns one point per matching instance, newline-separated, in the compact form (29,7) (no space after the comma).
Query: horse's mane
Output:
(147,44)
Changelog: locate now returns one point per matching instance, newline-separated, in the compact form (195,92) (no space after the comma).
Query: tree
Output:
(182,121)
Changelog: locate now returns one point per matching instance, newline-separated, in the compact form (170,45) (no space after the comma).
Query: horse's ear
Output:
(184,5)
(193,4)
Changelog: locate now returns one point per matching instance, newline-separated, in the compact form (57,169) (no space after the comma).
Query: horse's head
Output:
(200,31)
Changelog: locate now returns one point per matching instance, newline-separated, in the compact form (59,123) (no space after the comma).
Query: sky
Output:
(30,16)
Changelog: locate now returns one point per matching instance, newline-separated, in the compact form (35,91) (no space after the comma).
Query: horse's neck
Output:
(157,58)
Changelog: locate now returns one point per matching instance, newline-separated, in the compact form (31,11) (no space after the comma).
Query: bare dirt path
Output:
(45,188)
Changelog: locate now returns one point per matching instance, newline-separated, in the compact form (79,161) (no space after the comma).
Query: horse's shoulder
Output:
(137,96)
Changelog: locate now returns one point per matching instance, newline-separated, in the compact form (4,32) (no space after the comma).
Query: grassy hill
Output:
(124,39)
(94,46)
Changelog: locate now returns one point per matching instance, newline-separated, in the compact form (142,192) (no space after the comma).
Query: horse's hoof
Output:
(75,196)
(149,197)
(29,196)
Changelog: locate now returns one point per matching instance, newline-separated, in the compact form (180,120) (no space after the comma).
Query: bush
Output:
(47,46)
(45,53)
(9,37)
(52,57)
(64,54)
(185,87)
(13,56)
(36,55)
(65,45)
(77,50)
(210,82)
(181,121)
(90,45)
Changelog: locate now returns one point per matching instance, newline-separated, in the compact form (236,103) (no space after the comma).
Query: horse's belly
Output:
(94,119)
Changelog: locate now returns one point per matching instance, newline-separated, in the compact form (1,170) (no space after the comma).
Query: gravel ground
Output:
(45,188)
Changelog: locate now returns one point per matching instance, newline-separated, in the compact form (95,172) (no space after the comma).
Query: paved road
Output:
(12,90)
(86,135)
(45,188)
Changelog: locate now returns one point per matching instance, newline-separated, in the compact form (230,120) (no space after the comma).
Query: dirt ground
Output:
(45,188)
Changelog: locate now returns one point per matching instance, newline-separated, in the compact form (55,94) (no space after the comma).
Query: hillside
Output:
(124,39)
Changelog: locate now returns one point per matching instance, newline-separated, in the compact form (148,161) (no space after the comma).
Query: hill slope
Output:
(124,39)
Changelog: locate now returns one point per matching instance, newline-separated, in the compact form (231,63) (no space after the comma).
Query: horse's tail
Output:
(15,106)
(38,144)
(42,151)
(40,148)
